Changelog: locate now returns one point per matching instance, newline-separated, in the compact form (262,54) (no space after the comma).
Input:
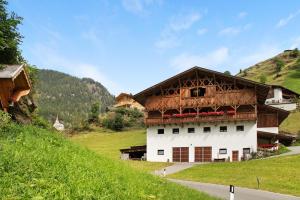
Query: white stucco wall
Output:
(277,95)
(269,129)
(285,106)
(231,140)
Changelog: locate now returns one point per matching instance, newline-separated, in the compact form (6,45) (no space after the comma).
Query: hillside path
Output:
(176,167)
(222,191)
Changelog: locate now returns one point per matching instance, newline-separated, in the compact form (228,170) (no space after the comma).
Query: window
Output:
(246,150)
(222,151)
(200,92)
(239,128)
(160,152)
(175,130)
(160,131)
(206,129)
(223,128)
(191,130)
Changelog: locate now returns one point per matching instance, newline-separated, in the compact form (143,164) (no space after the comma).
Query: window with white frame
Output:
(222,151)
(223,128)
(206,129)
(175,130)
(246,151)
(191,130)
(160,131)
(160,152)
(240,128)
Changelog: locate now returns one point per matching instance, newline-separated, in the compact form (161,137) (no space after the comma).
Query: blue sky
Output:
(129,45)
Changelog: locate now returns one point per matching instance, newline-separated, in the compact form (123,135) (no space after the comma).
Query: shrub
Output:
(5,119)
(94,113)
(263,78)
(227,73)
(295,53)
(114,121)
(40,122)
(278,64)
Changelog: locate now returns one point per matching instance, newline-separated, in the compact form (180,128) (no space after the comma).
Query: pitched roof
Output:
(262,89)
(11,71)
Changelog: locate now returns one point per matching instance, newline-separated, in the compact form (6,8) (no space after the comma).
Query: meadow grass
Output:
(40,164)
(279,175)
(108,143)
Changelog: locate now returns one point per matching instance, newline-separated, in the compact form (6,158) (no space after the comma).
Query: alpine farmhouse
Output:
(202,115)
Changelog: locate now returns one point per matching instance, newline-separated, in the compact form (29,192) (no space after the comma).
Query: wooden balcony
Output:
(245,116)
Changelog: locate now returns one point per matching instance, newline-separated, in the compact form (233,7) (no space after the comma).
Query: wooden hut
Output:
(14,84)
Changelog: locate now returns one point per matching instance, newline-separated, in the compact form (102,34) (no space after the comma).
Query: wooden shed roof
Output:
(261,89)
(11,71)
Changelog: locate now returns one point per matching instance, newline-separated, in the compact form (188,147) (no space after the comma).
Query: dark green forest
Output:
(69,97)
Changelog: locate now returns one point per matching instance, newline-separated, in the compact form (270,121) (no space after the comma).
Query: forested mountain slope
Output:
(283,69)
(68,97)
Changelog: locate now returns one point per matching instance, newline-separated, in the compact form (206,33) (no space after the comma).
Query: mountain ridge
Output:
(68,97)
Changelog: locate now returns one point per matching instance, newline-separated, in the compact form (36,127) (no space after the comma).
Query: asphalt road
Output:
(222,191)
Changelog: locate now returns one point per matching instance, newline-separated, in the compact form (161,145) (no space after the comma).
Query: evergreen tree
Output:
(10,38)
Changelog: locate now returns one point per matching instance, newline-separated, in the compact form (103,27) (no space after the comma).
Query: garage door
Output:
(180,154)
(203,154)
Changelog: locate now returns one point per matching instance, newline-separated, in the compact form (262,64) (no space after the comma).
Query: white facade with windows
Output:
(223,138)
(279,102)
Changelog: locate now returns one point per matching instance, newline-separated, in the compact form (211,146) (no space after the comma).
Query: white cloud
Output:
(170,36)
(201,31)
(214,58)
(230,31)
(284,21)
(139,6)
(233,31)
(242,15)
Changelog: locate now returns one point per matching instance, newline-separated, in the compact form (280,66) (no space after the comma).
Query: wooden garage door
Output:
(203,154)
(235,156)
(180,154)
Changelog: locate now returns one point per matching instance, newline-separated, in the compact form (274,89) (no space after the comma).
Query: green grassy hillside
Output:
(68,97)
(109,143)
(283,69)
(39,164)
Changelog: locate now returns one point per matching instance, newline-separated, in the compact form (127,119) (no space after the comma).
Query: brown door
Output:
(180,154)
(203,154)
(235,156)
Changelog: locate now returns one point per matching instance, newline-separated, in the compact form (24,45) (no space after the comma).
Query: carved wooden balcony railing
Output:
(234,97)
(245,116)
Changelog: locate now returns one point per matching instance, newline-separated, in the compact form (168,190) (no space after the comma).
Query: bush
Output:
(263,78)
(295,53)
(279,64)
(114,121)
(41,122)
(5,119)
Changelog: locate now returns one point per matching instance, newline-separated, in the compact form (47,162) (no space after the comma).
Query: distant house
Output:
(281,97)
(58,126)
(126,101)
(202,115)
(14,84)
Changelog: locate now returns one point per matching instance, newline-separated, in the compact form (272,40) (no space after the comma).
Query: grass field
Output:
(40,164)
(108,143)
(281,175)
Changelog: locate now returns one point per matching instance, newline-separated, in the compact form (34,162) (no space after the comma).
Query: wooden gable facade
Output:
(202,95)
(14,84)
